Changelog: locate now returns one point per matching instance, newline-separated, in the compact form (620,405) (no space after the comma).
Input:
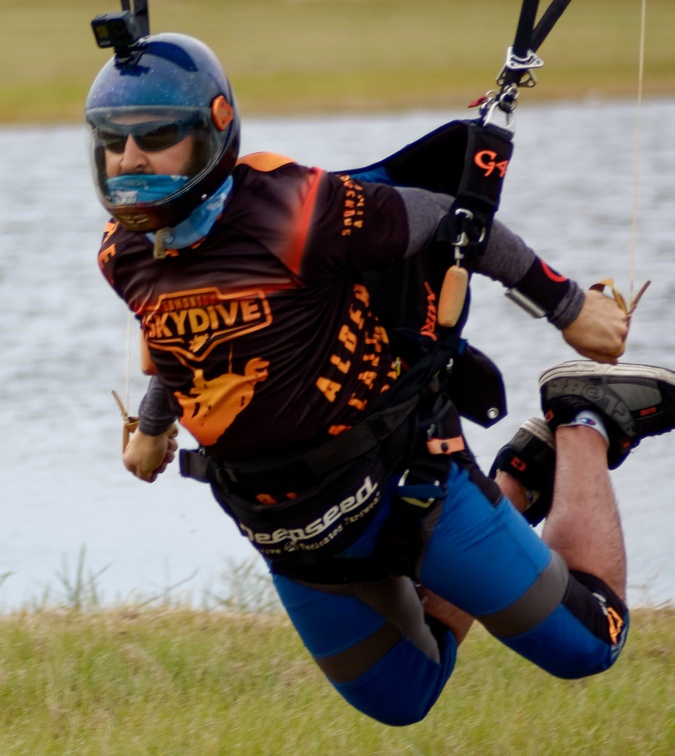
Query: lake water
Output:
(64,493)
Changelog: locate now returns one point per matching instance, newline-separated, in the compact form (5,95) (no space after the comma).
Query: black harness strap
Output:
(467,226)
(309,467)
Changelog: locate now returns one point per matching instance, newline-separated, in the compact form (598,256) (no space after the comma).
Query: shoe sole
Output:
(586,368)
(614,390)
(537,427)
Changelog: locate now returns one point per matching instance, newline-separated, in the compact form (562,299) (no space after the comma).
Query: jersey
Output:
(263,332)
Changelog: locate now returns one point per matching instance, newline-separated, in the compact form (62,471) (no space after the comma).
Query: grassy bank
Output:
(295,56)
(172,681)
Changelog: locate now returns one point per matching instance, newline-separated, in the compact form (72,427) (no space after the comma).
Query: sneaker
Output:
(530,458)
(634,400)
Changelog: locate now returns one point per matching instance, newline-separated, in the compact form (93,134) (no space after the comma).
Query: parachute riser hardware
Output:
(521,58)
(497,108)
(521,65)
(478,198)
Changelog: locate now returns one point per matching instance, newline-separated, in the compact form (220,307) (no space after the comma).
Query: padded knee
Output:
(583,636)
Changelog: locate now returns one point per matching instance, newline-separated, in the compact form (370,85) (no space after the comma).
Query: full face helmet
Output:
(172,88)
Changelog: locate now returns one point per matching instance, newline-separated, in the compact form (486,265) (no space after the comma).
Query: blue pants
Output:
(373,643)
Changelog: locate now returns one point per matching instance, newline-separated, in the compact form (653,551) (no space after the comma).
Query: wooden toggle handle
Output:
(453,295)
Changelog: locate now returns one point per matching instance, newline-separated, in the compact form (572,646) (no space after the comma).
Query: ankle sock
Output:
(590,419)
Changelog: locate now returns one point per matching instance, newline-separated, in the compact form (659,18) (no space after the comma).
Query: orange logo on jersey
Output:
(212,406)
(191,324)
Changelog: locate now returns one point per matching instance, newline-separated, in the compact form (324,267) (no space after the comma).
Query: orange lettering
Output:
(381,334)
(361,293)
(356,316)
(213,316)
(360,404)
(368,377)
(158,326)
(199,320)
(328,388)
(106,255)
(179,320)
(250,310)
(228,315)
(348,338)
(485,159)
(372,358)
(342,366)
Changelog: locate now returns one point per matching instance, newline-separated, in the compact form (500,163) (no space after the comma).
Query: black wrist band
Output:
(540,290)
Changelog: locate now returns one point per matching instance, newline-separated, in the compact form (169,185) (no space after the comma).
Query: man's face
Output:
(173,161)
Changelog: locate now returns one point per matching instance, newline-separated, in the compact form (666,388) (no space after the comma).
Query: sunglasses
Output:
(150,137)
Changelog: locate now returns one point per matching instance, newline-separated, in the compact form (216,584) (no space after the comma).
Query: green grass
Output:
(297,56)
(178,681)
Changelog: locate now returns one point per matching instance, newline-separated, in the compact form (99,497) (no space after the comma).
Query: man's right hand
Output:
(146,457)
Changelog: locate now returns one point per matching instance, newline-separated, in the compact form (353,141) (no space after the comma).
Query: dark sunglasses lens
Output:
(160,138)
(112,141)
(149,138)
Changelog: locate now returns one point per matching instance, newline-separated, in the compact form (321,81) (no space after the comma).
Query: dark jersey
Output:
(264,332)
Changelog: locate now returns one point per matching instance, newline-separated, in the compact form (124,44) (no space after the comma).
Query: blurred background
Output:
(337,84)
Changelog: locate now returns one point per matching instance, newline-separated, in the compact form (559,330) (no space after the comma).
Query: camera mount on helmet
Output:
(123,31)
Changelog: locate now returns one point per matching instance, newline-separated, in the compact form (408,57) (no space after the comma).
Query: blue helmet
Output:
(173,88)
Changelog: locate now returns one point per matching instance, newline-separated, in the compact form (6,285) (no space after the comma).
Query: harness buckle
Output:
(194,464)
(433,490)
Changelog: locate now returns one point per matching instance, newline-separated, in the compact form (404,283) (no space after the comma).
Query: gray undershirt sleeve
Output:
(155,415)
(506,259)
(425,211)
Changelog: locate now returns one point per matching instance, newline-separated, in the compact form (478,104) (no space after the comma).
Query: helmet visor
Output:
(153,130)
